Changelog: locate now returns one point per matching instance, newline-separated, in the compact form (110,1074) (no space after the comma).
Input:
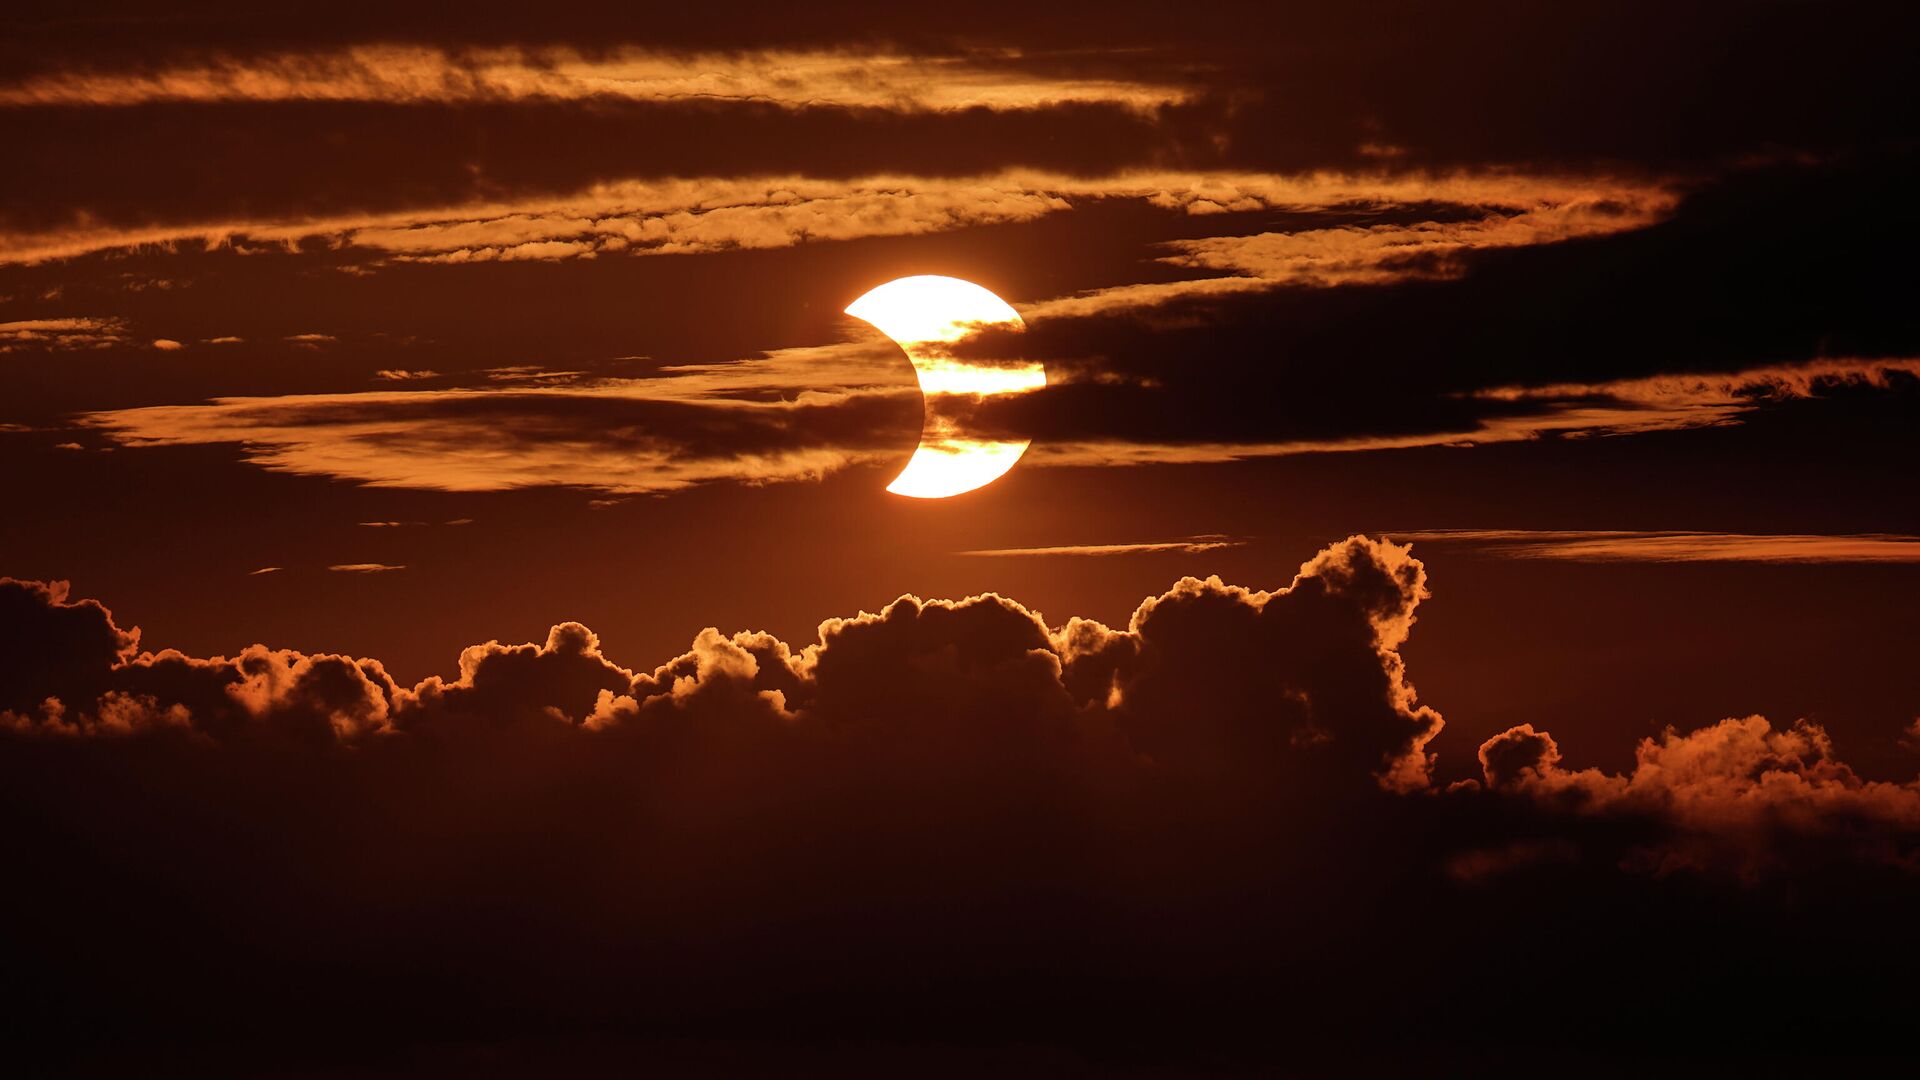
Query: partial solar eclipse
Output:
(925,315)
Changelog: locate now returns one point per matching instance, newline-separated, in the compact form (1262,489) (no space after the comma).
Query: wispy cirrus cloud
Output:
(1383,253)
(803,413)
(412,75)
(701,215)
(1618,407)
(1192,545)
(615,436)
(1675,546)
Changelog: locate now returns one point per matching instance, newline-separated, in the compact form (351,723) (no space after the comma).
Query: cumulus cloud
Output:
(1741,794)
(1303,687)
(1207,676)
(951,807)
(77,673)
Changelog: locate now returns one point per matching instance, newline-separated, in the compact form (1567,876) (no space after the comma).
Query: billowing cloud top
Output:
(1236,785)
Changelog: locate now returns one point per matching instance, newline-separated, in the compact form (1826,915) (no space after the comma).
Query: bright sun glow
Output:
(925,315)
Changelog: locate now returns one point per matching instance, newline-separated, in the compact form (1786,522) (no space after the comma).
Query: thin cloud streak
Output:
(615,436)
(1673,546)
(1191,546)
(1385,253)
(1567,410)
(407,75)
(700,215)
(807,407)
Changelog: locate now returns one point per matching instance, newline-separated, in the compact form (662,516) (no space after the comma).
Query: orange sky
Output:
(1464,457)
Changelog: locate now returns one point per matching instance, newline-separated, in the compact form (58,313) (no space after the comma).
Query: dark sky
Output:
(338,339)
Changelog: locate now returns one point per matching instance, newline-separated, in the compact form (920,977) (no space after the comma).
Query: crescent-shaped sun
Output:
(925,315)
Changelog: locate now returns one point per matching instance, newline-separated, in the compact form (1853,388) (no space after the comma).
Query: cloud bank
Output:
(950,814)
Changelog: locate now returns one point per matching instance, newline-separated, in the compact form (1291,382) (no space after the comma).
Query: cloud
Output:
(625,436)
(73,652)
(1191,546)
(1677,402)
(1265,688)
(1352,381)
(62,334)
(939,806)
(1385,253)
(723,213)
(392,74)
(801,414)
(227,135)
(1304,684)
(1735,795)
(1673,546)
(364,568)
(1476,347)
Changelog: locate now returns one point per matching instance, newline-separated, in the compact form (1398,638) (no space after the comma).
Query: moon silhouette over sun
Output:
(925,315)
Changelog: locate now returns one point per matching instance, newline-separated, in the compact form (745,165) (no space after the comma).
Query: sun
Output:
(925,315)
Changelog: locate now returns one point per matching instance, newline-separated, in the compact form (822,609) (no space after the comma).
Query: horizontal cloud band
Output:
(1302,687)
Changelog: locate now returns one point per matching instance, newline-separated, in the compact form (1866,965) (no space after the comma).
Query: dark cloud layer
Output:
(944,830)
(267,162)
(1767,267)
(1501,80)
(1268,87)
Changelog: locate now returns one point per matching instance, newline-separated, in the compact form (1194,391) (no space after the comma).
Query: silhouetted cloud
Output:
(911,659)
(1209,680)
(935,803)
(1736,795)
